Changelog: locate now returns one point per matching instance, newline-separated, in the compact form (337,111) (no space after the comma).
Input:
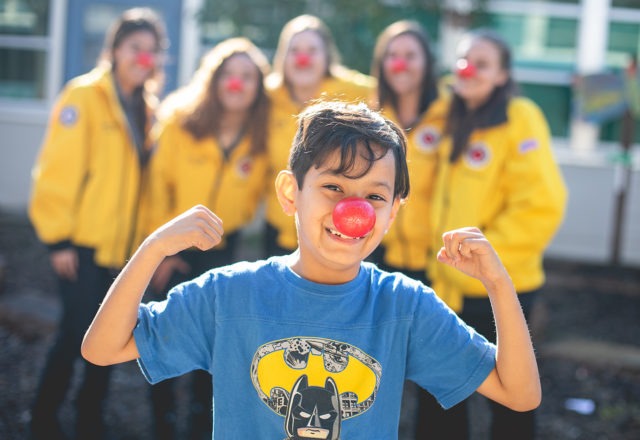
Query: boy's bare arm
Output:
(109,339)
(515,381)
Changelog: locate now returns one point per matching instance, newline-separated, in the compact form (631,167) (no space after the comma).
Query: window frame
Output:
(53,45)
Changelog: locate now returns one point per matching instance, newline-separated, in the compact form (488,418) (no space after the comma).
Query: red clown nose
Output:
(234,84)
(398,65)
(145,59)
(354,217)
(302,59)
(465,69)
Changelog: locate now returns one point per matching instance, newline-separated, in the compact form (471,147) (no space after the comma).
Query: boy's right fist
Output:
(197,227)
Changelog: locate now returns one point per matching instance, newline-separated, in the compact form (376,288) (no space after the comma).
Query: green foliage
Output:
(355,24)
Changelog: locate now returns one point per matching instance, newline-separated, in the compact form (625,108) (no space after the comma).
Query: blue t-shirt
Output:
(291,356)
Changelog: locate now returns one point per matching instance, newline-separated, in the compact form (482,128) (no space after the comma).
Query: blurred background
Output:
(574,58)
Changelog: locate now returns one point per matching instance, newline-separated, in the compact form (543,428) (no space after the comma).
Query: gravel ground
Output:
(596,304)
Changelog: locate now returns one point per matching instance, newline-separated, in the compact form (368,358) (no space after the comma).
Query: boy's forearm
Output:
(109,339)
(516,363)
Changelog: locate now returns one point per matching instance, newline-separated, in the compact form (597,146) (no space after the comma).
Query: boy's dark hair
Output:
(355,130)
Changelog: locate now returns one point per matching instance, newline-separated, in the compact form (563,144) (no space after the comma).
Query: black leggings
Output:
(80,301)
(435,423)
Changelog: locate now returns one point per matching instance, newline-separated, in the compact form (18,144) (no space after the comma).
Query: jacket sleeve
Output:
(61,168)
(534,190)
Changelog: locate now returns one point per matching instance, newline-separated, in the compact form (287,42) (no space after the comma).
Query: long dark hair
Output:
(461,121)
(386,96)
(129,22)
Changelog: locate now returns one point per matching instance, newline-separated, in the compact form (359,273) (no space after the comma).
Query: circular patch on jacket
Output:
(68,116)
(477,156)
(244,167)
(426,139)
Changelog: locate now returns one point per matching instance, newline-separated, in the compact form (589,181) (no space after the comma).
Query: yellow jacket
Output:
(282,129)
(509,185)
(88,179)
(408,240)
(185,172)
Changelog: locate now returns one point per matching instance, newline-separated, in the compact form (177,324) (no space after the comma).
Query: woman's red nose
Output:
(302,59)
(465,69)
(354,217)
(234,84)
(145,59)
(398,65)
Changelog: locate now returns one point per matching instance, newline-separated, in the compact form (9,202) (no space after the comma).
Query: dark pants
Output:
(163,394)
(435,423)
(271,246)
(80,302)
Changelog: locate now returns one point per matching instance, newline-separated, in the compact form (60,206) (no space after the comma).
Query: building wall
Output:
(21,133)
(587,231)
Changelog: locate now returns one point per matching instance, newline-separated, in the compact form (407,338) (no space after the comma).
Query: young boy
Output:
(300,345)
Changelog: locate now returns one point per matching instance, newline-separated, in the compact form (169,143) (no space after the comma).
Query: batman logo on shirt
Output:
(315,383)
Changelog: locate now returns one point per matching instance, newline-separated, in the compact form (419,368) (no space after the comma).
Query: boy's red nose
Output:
(354,217)
(302,59)
(398,65)
(145,59)
(234,84)
(465,69)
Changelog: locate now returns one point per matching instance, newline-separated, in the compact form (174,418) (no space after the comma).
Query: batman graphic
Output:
(313,412)
(315,384)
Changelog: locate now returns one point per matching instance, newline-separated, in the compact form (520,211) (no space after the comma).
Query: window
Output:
(24,43)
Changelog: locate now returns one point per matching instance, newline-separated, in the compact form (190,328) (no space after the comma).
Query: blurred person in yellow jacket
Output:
(496,171)
(211,150)
(306,68)
(408,94)
(88,184)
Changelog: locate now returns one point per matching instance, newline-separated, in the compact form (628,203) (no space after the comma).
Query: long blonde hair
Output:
(292,28)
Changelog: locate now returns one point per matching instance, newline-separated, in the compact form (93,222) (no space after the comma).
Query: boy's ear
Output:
(286,186)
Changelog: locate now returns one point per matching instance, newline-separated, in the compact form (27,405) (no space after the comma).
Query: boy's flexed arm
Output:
(109,339)
(515,381)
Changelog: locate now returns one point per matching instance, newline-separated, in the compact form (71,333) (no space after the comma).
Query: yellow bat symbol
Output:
(356,377)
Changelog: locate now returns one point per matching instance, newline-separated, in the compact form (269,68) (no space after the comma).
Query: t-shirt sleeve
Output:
(446,357)
(176,336)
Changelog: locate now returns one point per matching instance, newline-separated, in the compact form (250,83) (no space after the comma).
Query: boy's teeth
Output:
(334,232)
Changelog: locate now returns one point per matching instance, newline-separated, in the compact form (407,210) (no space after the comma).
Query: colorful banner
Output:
(600,97)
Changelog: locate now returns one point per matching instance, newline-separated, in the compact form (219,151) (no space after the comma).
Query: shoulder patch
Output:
(477,156)
(244,166)
(426,139)
(68,116)
(528,145)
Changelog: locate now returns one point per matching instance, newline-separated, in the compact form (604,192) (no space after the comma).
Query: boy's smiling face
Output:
(324,255)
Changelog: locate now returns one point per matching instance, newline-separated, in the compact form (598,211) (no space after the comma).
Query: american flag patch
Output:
(528,145)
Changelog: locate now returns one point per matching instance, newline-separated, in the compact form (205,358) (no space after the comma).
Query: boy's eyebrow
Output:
(384,184)
(378,183)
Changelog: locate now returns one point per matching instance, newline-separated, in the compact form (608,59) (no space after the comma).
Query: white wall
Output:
(21,133)
(587,231)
